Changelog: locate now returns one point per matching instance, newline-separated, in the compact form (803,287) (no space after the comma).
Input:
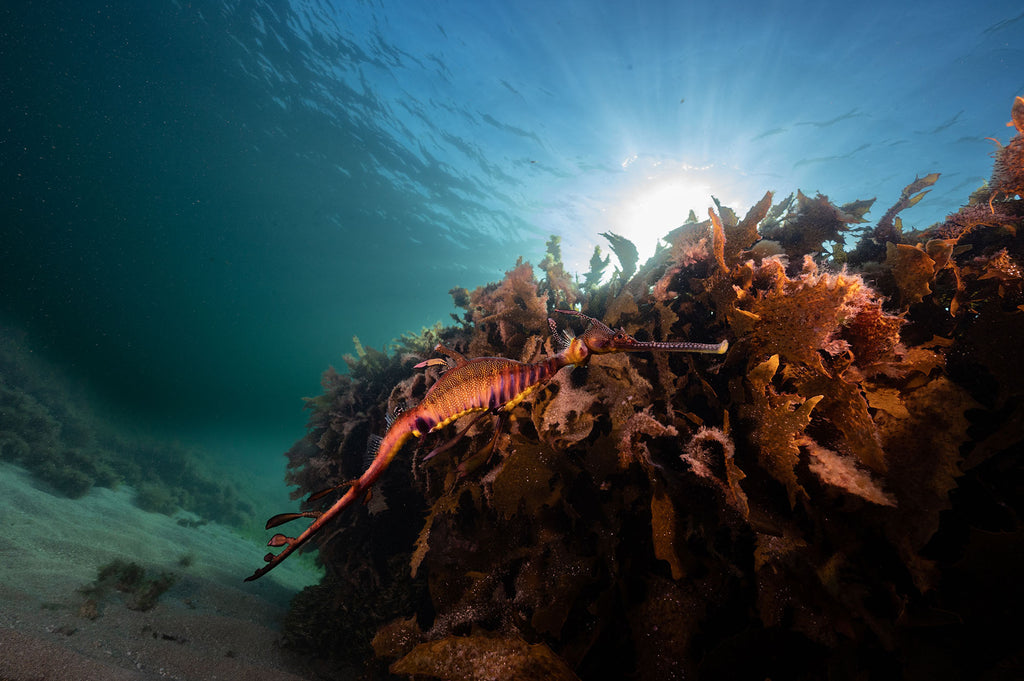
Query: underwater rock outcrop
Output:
(829,499)
(64,444)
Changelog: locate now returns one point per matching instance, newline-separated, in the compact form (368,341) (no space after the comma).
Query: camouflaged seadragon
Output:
(481,384)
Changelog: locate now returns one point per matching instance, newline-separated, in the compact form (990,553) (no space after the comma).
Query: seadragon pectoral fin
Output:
(436,361)
(282,518)
(326,492)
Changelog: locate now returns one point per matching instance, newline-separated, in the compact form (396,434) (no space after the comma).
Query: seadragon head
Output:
(600,339)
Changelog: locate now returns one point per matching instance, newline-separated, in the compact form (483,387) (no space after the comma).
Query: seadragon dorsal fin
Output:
(372,449)
(390,418)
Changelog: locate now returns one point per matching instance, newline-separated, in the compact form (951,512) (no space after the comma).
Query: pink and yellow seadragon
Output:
(482,384)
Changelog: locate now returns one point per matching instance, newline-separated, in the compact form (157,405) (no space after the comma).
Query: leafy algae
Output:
(828,494)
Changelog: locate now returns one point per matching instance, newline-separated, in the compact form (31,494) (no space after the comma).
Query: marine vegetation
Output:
(141,590)
(836,496)
(468,386)
(56,436)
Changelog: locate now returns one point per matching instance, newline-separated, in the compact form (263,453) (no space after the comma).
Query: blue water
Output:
(202,202)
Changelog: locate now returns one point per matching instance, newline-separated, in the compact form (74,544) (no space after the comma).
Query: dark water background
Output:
(202,202)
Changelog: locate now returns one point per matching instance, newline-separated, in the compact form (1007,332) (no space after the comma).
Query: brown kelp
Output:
(834,497)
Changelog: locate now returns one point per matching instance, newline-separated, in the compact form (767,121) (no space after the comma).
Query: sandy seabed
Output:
(208,625)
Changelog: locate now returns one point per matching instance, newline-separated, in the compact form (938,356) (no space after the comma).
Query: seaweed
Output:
(890,228)
(53,432)
(740,235)
(141,590)
(480,657)
(503,316)
(779,420)
(559,286)
(626,253)
(824,495)
(1008,169)
(592,279)
(803,229)
(912,268)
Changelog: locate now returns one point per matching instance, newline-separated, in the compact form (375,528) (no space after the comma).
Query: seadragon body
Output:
(482,384)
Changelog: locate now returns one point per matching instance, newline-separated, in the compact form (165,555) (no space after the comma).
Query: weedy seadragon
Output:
(481,384)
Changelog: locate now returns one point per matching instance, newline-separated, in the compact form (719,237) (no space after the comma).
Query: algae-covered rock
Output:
(141,590)
(820,494)
(70,449)
(483,658)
